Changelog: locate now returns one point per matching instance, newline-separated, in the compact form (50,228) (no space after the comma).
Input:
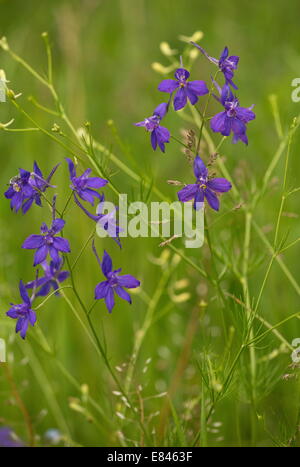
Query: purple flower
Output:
(8,439)
(84,184)
(185,90)
(48,243)
(53,275)
(106,221)
(19,190)
(25,188)
(226,64)
(22,312)
(203,187)
(233,118)
(159,134)
(114,283)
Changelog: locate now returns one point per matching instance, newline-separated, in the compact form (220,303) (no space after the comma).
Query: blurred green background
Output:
(102,55)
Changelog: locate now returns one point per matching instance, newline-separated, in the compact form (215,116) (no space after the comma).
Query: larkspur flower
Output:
(53,276)
(8,438)
(185,90)
(226,64)
(204,187)
(84,184)
(114,283)
(25,188)
(22,312)
(159,134)
(234,118)
(106,221)
(40,184)
(48,243)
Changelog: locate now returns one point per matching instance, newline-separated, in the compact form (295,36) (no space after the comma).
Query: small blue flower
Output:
(53,276)
(25,188)
(226,64)
(48,243)
(234,118)
(22,312)
(159,134)
(203,187)
(114,283)
(185,89)
(84,184)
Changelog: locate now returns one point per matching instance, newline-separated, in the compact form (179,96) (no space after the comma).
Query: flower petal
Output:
(233,61)
(163,136)
(200,169)
(154,140)
(180,99)
(40,255)
(191,96)
(33,241)
(27,205)
(57,225)
(227,126)
(187,193)
(110,299)
(44,290)
(168,85)
(198,87)
(217,123)
(220,185)
(212,199)
(224,54)
(199,198)
(238,127)
(106,264)
(123,294)
(71,167)
(101,289)
(23,293)
(63,275)
(128,281)
(32,317)
(161,110)
(61,244)
(9,193)
(24,327)
(12,313)
(182,74)
(96,182)
(54,255)
(245,114)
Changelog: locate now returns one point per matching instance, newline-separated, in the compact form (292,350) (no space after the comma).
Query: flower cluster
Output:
(50,247)
(233,119)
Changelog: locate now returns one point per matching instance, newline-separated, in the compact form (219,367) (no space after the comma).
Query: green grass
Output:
(203,353)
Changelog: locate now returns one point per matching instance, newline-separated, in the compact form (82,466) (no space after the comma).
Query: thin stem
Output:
(245,285)
(283,197)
